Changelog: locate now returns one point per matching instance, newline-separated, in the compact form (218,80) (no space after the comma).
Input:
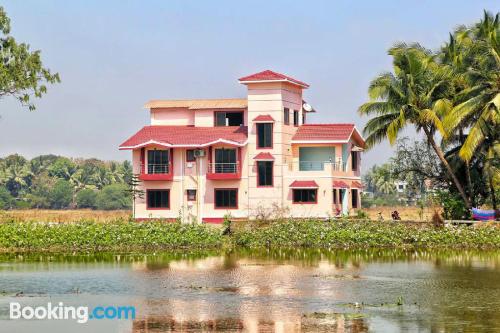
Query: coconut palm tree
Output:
(414,94)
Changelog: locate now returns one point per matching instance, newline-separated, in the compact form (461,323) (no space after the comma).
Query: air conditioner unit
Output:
(199,153)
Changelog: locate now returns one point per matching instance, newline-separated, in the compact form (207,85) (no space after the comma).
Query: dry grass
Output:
(406,213)
(46,215)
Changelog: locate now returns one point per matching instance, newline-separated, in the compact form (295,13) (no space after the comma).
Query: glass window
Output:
(265,173)
(190,155)
(295,118)
(226,198)
(191,195)
(286,116)
(304,195)
(354,193)
(265,135)
(158,161)
(335,196)
(303,117)
(158,199)
(225,160)
(223,118)
(354,160)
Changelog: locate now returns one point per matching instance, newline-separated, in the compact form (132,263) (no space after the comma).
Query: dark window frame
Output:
(303,191)
(354,161)
(295,118)
(189,196)
(286,116)
(225,207)
(151,191)
(152,160)
(354,198)
(189,158)
(266,178)
(226,112)
(335,196)
(261,125)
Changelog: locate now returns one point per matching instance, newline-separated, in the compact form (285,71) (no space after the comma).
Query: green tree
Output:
(40,191)
(22,74)
(61,194)
(415,93)
(6,199)
(86,198)
(113,196)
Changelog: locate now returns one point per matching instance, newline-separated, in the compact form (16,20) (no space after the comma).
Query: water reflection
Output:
(280,290)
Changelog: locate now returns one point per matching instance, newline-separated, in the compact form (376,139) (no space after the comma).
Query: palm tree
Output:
(414,94)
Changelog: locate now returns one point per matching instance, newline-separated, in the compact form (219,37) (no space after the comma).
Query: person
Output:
(395,215)
(380,217)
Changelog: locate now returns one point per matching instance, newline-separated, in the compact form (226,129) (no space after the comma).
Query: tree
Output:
(40,191)
(113,196)
(86,198)
(61,194)
(135,191)
(22,74)
(415,93)
(6,199)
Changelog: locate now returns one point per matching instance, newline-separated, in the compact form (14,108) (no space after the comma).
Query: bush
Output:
(115,196)
(453,206)
(86,198)
(60,196)
(5,198)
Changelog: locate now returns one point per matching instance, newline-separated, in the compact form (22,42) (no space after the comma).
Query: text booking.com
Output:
(59,311)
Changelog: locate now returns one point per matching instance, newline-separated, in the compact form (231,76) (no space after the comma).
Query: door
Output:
(225,160)
(345,201)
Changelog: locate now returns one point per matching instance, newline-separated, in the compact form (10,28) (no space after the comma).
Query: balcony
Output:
(223,171)
(320,168)
(156,172)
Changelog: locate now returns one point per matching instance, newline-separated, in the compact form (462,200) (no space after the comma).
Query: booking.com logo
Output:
(81,314)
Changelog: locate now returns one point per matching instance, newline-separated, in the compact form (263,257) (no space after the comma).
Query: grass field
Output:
(47,215)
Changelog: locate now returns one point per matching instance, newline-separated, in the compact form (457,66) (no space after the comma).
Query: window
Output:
(295,118)
(191,195)
(305,195)
(286,116)
(354,193)
(265,135)
(264,173)
(225,161)
(190,155)
(354,159)
(158,161)
(335,196)
(226,198)
(158,199)
(303,117)
(223,118)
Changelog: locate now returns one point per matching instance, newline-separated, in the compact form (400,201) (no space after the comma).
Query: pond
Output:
(261,290)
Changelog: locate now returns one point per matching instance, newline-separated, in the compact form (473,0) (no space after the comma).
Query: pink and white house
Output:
(203,159)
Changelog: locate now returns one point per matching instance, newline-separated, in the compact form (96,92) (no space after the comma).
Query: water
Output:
(260,291)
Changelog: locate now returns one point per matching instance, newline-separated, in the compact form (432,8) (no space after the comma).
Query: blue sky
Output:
(113,56)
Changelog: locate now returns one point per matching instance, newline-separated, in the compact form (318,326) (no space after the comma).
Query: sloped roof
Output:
(326,133)
(269,75)
(264,157)
(304,184)
(263,118)
(186,136)
(356,184)
(199,104)
(340,184)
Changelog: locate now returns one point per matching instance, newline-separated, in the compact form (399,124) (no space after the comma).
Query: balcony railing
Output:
(318,166)
(156,171)
(224,171)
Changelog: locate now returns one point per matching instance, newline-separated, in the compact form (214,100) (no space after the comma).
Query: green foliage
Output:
(113,197)
(61,194)
(106,236)
(22,74)
(86,198)
(453,207)
(6,199)
(365,234)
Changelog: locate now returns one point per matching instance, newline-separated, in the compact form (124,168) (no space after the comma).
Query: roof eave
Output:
(305,86)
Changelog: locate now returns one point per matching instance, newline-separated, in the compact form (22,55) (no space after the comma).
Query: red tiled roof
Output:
(304,184)
(269,75)
(323,132)
(213,220)
(186,136)
(264,118)
(264,157)
(356,184)
(339,184)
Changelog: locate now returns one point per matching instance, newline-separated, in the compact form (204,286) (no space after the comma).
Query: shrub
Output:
(86,198)
(60,196)
(115,196)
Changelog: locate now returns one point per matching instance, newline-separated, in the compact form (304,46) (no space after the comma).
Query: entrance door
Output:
(345,201)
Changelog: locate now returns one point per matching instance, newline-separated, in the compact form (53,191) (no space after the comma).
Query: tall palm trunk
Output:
(467,172)
(447,166)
